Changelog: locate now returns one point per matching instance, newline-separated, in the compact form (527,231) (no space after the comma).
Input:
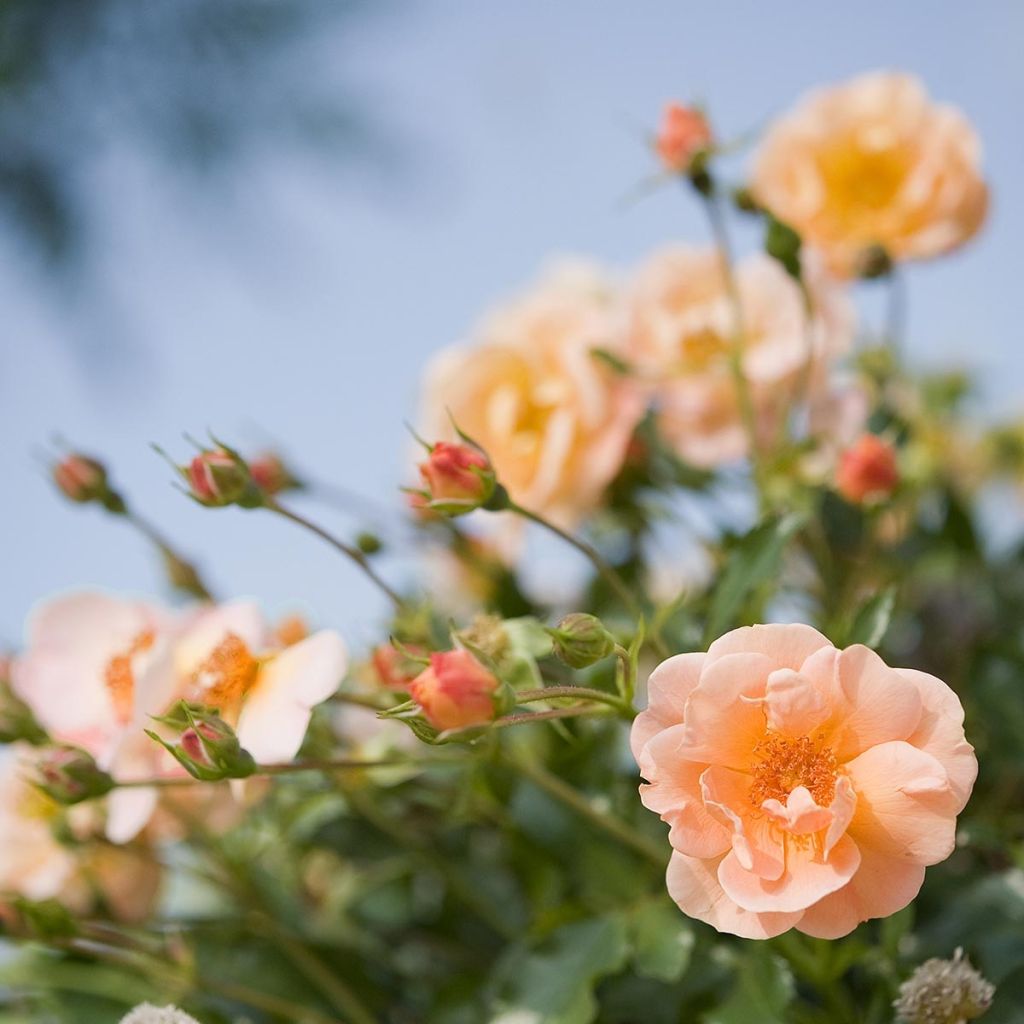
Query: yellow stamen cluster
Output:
(227,674)
(781,764)
(120,675)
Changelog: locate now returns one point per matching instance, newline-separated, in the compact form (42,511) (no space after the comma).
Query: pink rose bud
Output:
(456,691)
(271,475)
(218,477)
(867,470)
(684,133)
(80,478)
(69,775)
(395,670)
(207,747)
(458,478)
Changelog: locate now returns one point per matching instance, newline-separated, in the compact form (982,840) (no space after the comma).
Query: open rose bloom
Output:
(805,787)
(873,162)
(681,336)
(554,421)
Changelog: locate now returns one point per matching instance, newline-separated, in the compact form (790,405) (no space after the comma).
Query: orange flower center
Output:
(119,675)
(701,348)
(783,764)
(228,674)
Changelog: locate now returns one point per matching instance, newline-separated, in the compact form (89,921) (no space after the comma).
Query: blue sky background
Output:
(297,302)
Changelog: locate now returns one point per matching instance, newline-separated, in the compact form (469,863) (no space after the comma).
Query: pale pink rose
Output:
(873,161)
(95,668)
(681,330)
(804,786)
(554,421)
(226,660)
(32,863)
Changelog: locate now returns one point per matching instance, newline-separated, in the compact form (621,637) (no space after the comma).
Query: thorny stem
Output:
(350,552)
(528,717)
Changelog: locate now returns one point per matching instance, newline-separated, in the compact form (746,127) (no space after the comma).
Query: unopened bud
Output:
(207,746)
(944,992)
(395,667)
(271,475)
(368,543)
(456,691)
(81,478)
(218,477)
(868,470)
(458,478)
(487,635)
(70,775)
(683,136)
(43,920)
(582,640)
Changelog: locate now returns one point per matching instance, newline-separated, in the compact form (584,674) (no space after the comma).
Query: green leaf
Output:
(663,941)
(783,244)
(763,990)
(754,561)
(872,620)
(555,983)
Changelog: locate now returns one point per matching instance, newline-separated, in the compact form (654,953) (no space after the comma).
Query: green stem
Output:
(574,692)
(182,573)
(577,802)
(350,552)
(528,717)
(606,571)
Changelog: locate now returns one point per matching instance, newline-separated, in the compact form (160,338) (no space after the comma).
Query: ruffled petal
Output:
(276,712)
(906,808)
(667,689)
(881,886)
(787,646)
(694,886)
(756,844)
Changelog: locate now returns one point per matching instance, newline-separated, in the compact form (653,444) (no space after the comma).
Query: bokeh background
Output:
(261,217)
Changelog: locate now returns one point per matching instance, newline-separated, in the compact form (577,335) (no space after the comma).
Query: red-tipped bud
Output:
(867,470)
(207,746)
(684,133)
(69,775)
(81,478)
(458,478)
(396,670)
(271,475)
(218,477)
(456,691)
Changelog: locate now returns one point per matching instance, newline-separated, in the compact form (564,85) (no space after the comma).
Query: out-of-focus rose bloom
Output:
(94,669)
(684,133)
(32,862)
(226,661)
(867,470)
(873,162)
(805,786)
(457,476)
(271,474)
(554,421)
(680,336)
(456,691)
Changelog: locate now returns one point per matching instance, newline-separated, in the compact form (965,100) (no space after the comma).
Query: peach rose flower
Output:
(553,420)
(680,337)
(804,786)
(873,162)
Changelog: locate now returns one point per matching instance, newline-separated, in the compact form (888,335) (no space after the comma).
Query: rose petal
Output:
(694,886)
(787,646)
(667,689)
(755,842)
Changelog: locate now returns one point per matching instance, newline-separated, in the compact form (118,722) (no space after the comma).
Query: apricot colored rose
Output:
(873,162)
(553,419)
(805,787)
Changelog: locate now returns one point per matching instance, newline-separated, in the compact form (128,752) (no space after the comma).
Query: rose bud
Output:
(684,133)
(271,475)
(217,476)
(80,478)
(581,640)
(69,775)
(458,478)
(207,748)
(396,669)
(456,691)
(867,470)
